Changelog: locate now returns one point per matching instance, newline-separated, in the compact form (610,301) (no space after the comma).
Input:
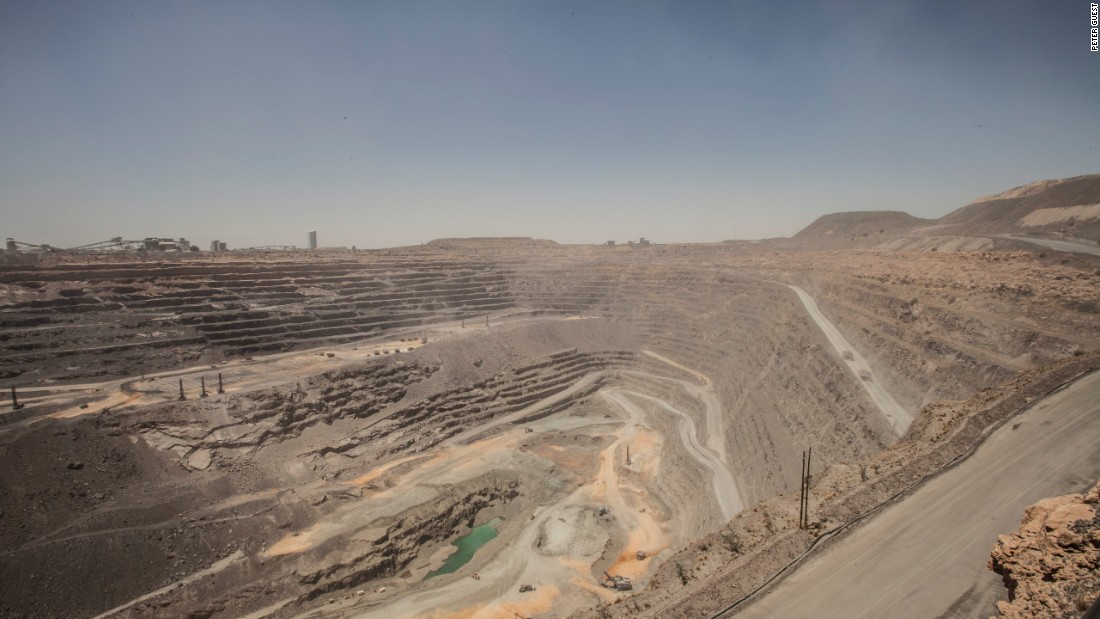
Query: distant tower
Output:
(313,239)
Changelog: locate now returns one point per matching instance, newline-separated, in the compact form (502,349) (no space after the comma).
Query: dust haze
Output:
(307,433)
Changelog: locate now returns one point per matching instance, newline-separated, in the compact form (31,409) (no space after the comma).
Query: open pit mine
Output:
(502,428)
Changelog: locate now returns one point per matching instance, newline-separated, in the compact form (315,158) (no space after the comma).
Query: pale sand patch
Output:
(648,538)
(1046,216)
(1022,191)
(645,452)
(379,471)
(533,603)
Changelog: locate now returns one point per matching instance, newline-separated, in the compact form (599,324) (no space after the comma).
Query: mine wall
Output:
(145,490)
(336,568)
(940,338)
(780,385)
(120,318)
(930,333)
(146,508)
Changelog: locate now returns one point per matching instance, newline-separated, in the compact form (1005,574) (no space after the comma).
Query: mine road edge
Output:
(970,433)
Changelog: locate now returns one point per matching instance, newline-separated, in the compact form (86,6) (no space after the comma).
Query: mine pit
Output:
(505,429)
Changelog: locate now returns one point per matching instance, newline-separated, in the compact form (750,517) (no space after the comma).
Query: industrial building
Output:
(313,239)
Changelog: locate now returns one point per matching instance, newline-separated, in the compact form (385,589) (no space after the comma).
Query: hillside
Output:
(855,224)
(1050,208)
(1056,209)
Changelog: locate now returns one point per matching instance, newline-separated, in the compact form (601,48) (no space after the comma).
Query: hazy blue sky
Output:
(390,123)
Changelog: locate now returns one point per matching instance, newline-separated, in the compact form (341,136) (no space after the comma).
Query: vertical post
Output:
(15,405)
(802,492)
(486,320)
(220,390)
(809,460)
(202,381)
(181,390)
(628,455)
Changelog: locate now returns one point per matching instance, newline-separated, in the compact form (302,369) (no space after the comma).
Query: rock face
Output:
(1051,564)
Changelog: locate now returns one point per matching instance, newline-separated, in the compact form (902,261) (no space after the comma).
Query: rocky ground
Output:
(1051,565)
(616,400)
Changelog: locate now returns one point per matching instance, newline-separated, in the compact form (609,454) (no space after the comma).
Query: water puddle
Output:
(467,545)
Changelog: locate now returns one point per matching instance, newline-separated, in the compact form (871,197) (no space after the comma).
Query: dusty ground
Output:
(924,556)
(619,400)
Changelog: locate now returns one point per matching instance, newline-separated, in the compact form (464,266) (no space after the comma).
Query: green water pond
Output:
(466,546)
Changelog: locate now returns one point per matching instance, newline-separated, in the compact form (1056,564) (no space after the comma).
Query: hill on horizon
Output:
(1067,208)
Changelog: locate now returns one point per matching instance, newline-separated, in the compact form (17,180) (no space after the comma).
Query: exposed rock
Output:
(1051,564)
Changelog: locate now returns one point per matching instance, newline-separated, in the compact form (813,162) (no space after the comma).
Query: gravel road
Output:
(895,414)
(925,556)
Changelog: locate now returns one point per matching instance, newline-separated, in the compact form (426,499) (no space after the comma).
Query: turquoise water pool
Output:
(466,546)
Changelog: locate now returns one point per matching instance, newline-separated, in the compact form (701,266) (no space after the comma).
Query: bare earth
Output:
(926,555)
(622,413)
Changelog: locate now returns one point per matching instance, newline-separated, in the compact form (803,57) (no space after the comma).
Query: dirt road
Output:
(726,491)
(925,556)
(1067,246)
(895,414)
(715,428)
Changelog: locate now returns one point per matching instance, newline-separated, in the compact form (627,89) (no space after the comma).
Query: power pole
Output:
(220,390)
(15,405)
(802,493)
(181,390)
(804,502)
(202,380)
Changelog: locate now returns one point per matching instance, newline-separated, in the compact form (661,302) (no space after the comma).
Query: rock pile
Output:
(1051,564)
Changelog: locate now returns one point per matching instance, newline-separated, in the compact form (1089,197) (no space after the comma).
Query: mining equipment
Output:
(14,245)
(618,583)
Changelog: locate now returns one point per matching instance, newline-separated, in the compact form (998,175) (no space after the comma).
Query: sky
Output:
(382,124)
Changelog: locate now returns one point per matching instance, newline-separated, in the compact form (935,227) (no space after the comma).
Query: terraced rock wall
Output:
(76,322)
(780,386)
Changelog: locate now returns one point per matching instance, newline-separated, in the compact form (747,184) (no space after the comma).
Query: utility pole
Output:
(220,390)
(802,492)
(202,380)
(804,496)
(182,397)
(15,405)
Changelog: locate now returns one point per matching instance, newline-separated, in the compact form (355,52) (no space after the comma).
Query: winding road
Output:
(726,492)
